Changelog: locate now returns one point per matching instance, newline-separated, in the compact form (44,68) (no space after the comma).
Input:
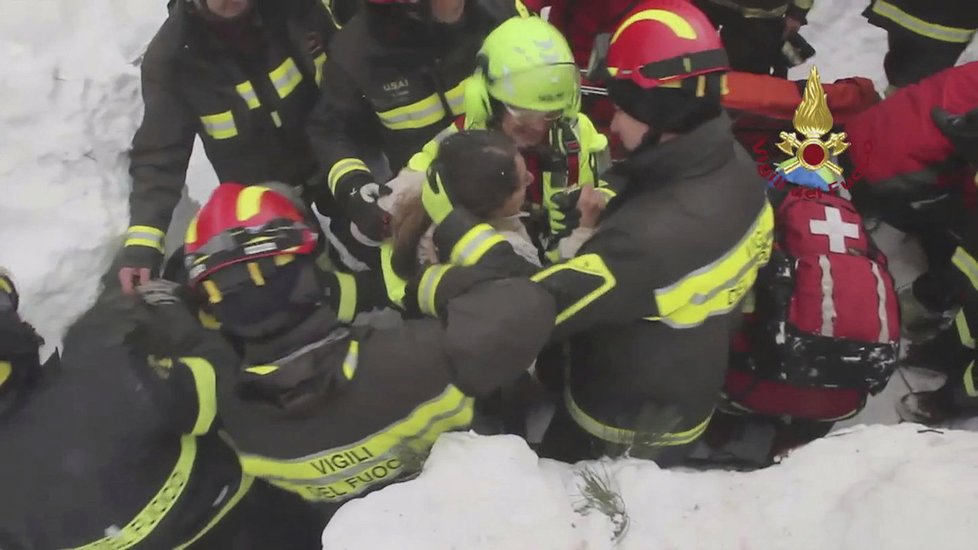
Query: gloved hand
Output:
(139,264)
(566,216)
(435,198)
(171,327)
(369,223)
(160,292)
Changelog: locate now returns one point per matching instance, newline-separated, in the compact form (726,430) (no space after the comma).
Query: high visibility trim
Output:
(719,286)
(285,77)
(967,265)
(803,4)
(328,5)
(283,259)
(679,26)
(247,93)
(249,202)
(213,293)
(428,286)
(206,384)
(276,119)
(255,273)
(425,112)
(969,380)
(220,125)
(521,9)
(207,320)
(352,360)
(319,61)
(144,235)
(348,296)
(919,26)
(343,472)
(964,331)
(5,286)
(262,370)
(396,286)
(243,487)
(343,167)
(624,436)
(6,369)
(191,235)
(474,244)
(589,264)
(153,513)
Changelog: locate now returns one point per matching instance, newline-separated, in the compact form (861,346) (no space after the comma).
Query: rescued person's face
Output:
(515,202)
(525,131)
(447,11)
(630,131)
(228,9)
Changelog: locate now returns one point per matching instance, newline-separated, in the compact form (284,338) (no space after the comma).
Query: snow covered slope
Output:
(893,487)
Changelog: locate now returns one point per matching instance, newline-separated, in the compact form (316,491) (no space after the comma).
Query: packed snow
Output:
(70,105)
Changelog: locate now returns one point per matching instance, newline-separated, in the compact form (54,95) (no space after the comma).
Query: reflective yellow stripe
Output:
(247,93)
(276,119)
(220,126)
(285,78)
(213,293)
(262,370)
(144,235)
(249,202)
(679,26)
(6,286)
(624,436)
(921,27)
(191,235)
(319,62)
(5,370)
(395,285)
(255,273)
(474,244)
(719,286)
(964,331)
(150,516)
(427,287)
(804,4)
(969,380)
(284,259)
(425,112)
(343,167)
(343,472)
(348,296)
(522,10)
(351,361)
(421,160)
(589,264)
(207,320)
(206,385)
(243,486)
(967,265)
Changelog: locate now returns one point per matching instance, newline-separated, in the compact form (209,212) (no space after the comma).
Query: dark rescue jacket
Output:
(330,411)
(953,21)
(249,109)
(102,445)
(766,9)
(395,81)
(649,303)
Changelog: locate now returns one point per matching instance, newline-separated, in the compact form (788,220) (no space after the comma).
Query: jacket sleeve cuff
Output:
(145,236)
(463,239)
(441,283)
(346,173)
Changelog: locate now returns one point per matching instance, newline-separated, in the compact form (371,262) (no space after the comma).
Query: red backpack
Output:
(826,329)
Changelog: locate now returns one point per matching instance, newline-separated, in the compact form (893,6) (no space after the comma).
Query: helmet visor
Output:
(543,89)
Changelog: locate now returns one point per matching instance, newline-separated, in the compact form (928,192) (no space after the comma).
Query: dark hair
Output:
(478,169)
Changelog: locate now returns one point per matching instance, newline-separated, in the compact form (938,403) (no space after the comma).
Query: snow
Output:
(70,105)
(899,487)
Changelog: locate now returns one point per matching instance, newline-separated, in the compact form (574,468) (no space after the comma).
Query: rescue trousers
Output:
(753,44)
(912,57)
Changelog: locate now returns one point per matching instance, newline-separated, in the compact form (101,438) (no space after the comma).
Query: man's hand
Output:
(370,224)
(159,292)
(590,204)
(791,26)
(139,263)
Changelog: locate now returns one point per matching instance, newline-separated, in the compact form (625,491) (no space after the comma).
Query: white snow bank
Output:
(892,487)
(70,105)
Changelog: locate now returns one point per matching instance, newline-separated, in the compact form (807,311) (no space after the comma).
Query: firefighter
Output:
(96,455)
(396,78)
(532,94)
(924,36)
(242,76)
(649,303)
(755,32)
(314,405)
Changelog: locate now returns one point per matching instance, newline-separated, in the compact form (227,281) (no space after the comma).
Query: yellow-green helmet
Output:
(525,63)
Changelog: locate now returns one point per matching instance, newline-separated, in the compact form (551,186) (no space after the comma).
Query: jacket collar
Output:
(312,330)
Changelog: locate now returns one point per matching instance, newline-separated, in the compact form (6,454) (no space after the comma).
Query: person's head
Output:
(447,12)
(223,10)
(525,80)
(19,345)
(482,171)
(249,256)
(666,68)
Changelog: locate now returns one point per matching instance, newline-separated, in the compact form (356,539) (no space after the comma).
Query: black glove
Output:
(960,130)
(172,328)
(370,224)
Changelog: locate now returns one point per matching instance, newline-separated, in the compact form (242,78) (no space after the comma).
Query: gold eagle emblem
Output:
(813,120)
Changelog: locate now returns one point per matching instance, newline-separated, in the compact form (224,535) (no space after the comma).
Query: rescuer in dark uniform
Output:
(314,405)
(242,76)
(649,303)
(396,78)
(96,455)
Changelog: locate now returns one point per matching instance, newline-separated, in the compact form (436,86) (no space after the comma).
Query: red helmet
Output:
(242,224)
(662,42)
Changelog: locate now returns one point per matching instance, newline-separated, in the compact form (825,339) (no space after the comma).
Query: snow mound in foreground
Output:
(894,487)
